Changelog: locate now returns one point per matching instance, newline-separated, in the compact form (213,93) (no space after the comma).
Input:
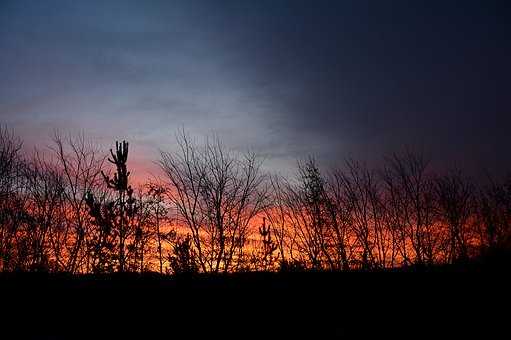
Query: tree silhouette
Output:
(216,196)
(308,212)
(115,217)
(80,164)
(119,183)
(159,213)
(62,211)
(183,258)
(12,205)
(455,204)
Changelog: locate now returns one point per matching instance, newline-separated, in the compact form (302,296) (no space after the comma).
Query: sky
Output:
(287,79)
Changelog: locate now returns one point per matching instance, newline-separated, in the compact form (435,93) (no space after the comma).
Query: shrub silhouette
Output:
(183,258)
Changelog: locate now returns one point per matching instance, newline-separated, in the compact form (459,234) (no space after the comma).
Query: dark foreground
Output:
(454,302)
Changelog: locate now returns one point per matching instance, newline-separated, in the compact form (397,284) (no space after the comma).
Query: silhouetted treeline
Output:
(69,207)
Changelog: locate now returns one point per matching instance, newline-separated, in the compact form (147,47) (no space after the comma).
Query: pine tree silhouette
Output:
(114,216)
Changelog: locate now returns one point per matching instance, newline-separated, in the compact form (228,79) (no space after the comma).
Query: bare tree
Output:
(80,164)
(60,212)
(360,198)
(340,220)
(44,190)
(276,213)
(455,207)
(495,216)
(410,197)
(159,217)
(217,196)
(309,215)
(11,201)
(10,159)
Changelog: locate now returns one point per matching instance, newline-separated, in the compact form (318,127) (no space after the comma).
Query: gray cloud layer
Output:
(287,78)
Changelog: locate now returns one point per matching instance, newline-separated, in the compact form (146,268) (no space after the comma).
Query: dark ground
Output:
(435,303)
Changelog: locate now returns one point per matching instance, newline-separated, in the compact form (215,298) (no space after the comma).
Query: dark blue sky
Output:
(285,78)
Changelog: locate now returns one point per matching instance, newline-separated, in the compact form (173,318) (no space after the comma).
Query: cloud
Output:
(285,78)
